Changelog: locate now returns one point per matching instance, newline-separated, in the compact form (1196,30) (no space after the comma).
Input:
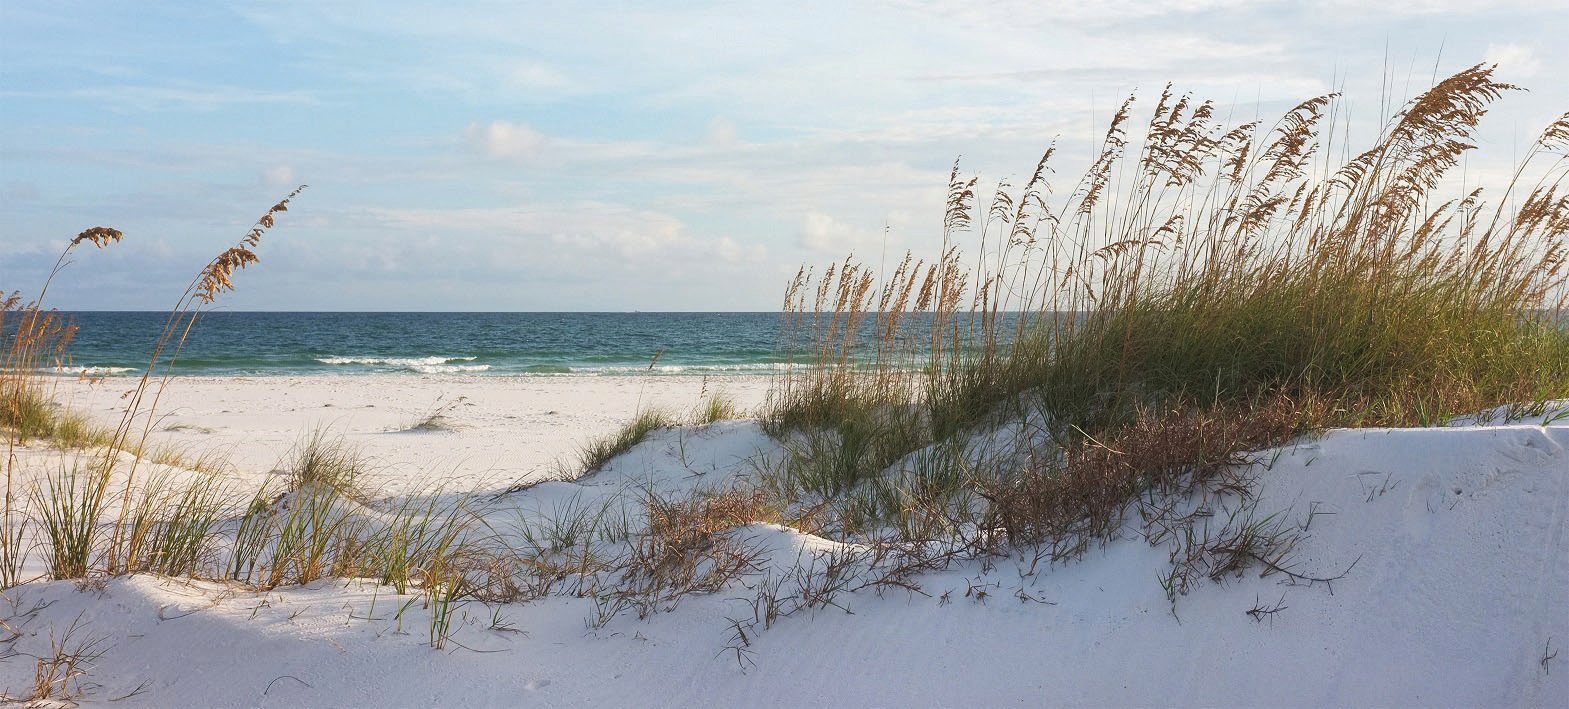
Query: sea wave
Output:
(455,365)
(93,371)
(547,369)
(446,368)
(700,368)
(395,361)
(634,370)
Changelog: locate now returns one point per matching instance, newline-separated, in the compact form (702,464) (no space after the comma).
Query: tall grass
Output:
(69,504)
(173,525)
(71,501)
(32,337)
(213,280)
(189,523)
(1197,267)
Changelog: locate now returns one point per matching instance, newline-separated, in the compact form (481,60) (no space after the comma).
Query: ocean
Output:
(260,343)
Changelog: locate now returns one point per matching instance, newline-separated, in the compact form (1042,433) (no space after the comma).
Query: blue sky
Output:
(672,156)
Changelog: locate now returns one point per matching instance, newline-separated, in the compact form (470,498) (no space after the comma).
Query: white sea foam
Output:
(450,365)
(93,371)
(447,368)
(698,368)
(671,369)
(394,361)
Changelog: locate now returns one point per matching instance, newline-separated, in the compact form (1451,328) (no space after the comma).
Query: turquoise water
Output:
(227,343)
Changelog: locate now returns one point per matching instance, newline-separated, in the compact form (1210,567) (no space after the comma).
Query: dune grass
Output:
(60,674)
(438,420)
(1210,275)
(173,524)
(714,407)
(594,454)
(69,505)
(189,523)
(322,460)
(69,502)
(35,337)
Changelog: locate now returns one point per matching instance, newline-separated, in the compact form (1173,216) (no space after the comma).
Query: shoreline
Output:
(130,374)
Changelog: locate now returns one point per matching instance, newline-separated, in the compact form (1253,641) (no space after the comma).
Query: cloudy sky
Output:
(671,156)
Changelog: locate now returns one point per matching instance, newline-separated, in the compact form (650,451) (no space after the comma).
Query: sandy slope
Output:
(1455,539)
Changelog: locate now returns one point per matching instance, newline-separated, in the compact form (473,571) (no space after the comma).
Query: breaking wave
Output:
(447,368)
(394,361)
(94,371)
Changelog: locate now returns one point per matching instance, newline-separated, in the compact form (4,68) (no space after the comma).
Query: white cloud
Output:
(730,251)
(1431,7)
(1514,61)
(580,238)
(823,232)
(722,132)
(279,176)
(170,98)
(536,77)
(503,139)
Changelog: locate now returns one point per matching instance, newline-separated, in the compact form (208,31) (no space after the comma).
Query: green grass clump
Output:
(69,504)
(417,543)
(29,414)
(26,411)
(322,461)
(316,522)
(717,406)
(829,460)
(172,525)
(593,455)
(1402,347)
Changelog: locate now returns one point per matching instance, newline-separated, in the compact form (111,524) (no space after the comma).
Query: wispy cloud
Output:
(504,139)
(165,98)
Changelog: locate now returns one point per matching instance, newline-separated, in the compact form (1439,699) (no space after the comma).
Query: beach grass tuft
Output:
(321,460)
(593,456)
(716,406)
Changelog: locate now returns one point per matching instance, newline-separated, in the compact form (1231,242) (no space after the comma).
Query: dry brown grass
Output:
(1081,494)
(1234,265)
(60,674)
(1202,291)
(684,550)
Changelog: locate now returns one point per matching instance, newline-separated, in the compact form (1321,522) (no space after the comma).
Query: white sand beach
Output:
(1448,549)
(496,429)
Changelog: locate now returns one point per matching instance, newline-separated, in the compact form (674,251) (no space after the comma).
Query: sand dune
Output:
(1449,544)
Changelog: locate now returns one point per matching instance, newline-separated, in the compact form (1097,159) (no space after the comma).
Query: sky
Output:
(541,156)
